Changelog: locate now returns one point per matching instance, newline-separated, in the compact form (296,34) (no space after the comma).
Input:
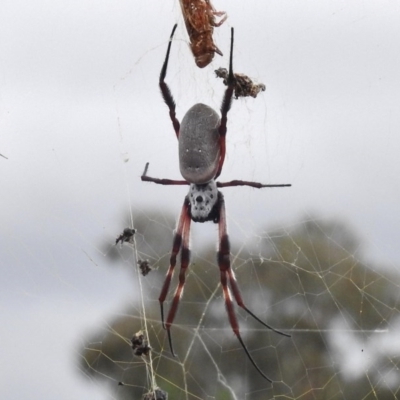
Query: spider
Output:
(201,138)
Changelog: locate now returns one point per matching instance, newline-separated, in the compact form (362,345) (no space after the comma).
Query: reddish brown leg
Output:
(225,107)
(176,245)
(165,90)
(185,259)
(146,178)
(256,185)
(236,182)
(227,276)
(239,301)
(224,245)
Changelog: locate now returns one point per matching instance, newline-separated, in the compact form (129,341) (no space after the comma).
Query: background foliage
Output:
(310,281)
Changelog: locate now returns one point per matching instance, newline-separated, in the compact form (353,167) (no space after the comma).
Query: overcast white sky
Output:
(81,114)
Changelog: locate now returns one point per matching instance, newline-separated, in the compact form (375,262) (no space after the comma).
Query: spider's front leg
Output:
(227,275)
(165,90)
(225,107)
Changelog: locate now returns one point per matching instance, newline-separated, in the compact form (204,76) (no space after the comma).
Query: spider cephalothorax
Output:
(203,201)
(201,139)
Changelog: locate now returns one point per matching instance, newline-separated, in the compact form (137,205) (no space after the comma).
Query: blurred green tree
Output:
(309,280)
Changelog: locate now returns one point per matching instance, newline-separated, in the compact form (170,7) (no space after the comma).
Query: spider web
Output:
(305,279)
(318,260)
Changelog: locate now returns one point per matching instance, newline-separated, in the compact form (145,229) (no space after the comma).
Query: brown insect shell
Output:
(203,48)
(199,19)
(199,149)
(198,14)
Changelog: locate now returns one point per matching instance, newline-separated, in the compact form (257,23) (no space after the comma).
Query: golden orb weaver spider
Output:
(201,138)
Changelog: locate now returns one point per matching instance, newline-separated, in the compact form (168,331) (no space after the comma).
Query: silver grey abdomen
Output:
(199,144)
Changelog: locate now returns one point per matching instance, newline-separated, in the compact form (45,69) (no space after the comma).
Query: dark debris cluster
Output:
(139,345)
(244,86)
(144,267)
(126,236)
(157,394)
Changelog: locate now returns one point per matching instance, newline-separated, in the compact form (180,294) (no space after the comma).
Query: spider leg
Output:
(239,301)
(185,259)
(256,185)
(146,178)
(181,239)
(228,276)
(165,90)
(176,246)
(225,249)
(225,107)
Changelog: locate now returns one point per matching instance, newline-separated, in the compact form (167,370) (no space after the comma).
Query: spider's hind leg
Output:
(239,301)
(180,242)
(227,276)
